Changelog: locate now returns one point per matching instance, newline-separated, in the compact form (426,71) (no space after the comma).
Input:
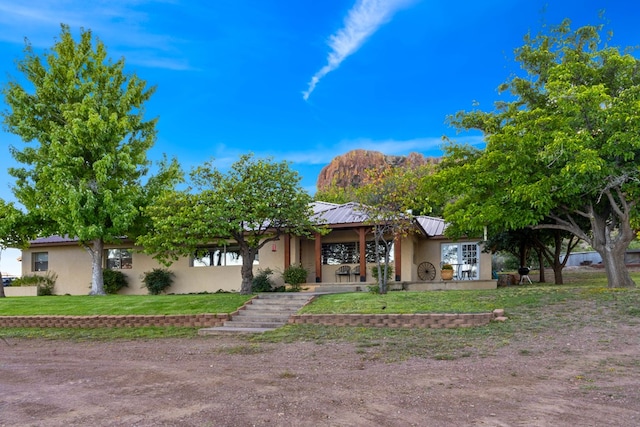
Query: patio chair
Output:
(343,270)
(356,273)
(466,270)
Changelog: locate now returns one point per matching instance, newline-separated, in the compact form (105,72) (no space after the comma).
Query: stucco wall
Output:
(72,264)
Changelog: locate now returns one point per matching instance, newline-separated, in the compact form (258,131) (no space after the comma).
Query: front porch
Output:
(435,285)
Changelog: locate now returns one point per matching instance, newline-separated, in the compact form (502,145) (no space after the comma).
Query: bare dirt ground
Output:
(584,376)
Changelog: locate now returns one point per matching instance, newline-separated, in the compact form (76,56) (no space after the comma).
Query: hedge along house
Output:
(332,258)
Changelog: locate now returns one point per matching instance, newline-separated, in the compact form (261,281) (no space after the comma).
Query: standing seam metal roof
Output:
(352,213)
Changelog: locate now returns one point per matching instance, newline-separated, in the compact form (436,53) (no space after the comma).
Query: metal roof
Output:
(53,240)
(323,213)
(352,213)
(318,207)
(431,226)
(348,213)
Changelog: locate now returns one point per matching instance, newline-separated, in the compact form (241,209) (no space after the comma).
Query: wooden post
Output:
(397,255)
(362,231)
(287,251)
(318,254)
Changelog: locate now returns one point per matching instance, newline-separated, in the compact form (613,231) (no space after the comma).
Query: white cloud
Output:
(324,154)
(124,26)
(362,21)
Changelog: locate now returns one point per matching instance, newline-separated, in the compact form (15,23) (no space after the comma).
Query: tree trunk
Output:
(542,278)
(2,295)
(248,255)
(616,269)
(611,243)
(96,251)
(557,273)
(382,268)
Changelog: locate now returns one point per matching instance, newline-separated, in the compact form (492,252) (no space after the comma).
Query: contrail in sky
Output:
(364,19)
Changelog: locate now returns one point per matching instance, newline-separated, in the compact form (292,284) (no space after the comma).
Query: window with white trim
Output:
(464,257)
(119,259)
(40,261)
(219,256)
(349,253)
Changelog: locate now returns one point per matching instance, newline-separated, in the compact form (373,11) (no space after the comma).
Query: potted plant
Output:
(446,272)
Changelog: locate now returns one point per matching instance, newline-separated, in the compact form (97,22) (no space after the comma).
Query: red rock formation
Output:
(349,169)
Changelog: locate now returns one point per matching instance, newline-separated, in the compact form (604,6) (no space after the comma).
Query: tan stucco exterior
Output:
(72,265)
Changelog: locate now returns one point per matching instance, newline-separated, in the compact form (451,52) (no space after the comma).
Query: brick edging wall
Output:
(101,321)
(427,320)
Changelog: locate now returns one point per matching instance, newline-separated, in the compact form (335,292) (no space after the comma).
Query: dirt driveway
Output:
(589,376)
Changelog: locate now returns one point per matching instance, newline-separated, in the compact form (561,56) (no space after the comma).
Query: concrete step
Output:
(221,330)
(336,289)
(265,312)
(248,315)
(282,296)
(283,302)
(253,324)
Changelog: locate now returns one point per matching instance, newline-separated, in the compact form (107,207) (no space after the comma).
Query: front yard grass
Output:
(532,310)
(121,304)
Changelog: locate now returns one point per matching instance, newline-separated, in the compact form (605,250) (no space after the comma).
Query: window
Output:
(40,261)
(339,253)
(371,252)
(219,256)
(464,257)
(349,253)
(119,259)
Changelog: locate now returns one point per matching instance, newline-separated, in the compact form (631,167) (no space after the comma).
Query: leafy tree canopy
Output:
(253,203)
(386,199)
(82,120)
(563,147)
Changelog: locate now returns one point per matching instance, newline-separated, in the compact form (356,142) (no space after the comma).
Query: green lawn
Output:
(121,304)
(532,309)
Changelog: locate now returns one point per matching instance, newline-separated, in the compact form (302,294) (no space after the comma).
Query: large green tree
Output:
(254,203)
(16,229)
(84,163)
(563,147)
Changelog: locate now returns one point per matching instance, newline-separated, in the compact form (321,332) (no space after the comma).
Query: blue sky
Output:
(302,80)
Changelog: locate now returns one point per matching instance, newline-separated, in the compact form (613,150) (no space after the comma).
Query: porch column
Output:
(362,232)
(318,254)
(287,251)
(397,255)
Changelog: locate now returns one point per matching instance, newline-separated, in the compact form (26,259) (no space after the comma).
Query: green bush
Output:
(373,289)
(157,280)
(295,275)
(45,283)
(374,272)
(114,280)
(262,282)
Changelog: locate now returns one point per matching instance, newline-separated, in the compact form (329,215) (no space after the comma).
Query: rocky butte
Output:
(348,170)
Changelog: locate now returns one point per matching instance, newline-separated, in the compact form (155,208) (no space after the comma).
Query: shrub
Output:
(157,280)
(295,275)
(45,283)
(262,282)
(114,280)
(447,267)
(374,272)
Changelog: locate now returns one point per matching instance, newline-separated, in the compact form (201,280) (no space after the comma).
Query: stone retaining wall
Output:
(427,320)
(434,321)
(134,321)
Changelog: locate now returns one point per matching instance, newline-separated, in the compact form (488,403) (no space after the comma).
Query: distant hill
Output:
(348,170)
